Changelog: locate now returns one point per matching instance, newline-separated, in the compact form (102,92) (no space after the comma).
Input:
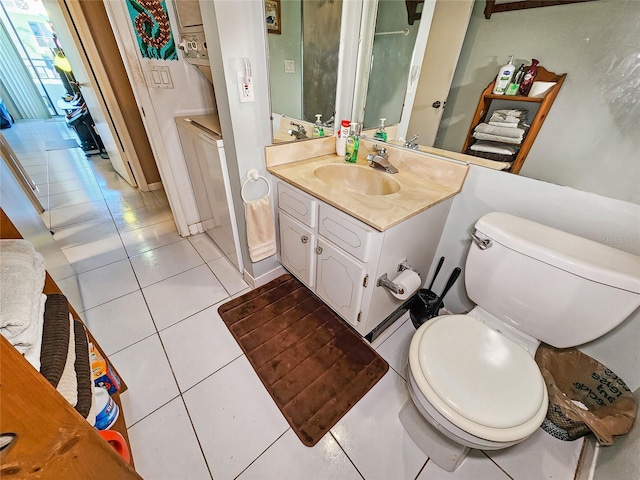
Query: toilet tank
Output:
(557,287)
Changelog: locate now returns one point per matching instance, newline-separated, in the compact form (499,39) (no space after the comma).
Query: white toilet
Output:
(473,378)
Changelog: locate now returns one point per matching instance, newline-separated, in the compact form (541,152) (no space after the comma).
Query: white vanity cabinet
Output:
(340,258)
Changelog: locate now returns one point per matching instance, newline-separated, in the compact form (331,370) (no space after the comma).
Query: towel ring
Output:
(254,176)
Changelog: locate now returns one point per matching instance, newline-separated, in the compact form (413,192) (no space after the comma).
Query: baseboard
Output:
(587,460)
(196,228)
(155,186)
(265,278)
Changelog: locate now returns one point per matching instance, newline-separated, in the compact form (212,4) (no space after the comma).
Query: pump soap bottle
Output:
(318,129)
(504,77)
(529,77)
(353,142)
(514,86)
(381,133)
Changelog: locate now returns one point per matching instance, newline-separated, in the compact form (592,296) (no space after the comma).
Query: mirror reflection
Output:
(587,141)
(303,67)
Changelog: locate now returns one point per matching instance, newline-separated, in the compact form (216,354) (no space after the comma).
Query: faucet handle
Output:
(380,150)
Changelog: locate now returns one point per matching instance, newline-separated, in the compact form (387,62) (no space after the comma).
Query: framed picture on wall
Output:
(272,16)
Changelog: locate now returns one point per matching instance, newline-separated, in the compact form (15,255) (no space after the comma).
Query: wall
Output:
(191,94)
(591,216)
(589,140)
(232,34)
(286,94)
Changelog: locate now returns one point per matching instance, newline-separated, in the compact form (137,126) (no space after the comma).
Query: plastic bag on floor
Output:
(584,396)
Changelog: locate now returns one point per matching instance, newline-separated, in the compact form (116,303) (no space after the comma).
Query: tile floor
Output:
(195,409)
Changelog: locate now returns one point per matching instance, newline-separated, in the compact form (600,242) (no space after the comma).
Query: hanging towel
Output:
(261,228)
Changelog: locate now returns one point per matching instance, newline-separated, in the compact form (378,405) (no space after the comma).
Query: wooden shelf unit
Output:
(487,98)
(51,437)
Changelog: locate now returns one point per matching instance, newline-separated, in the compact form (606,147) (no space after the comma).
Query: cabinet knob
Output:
(319,250)
(436,104)
(304,239)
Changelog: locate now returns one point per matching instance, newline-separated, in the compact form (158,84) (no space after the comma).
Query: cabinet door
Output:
(296,249)
(340,281)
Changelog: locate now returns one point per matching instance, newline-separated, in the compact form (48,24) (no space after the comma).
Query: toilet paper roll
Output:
(540,89)
(410,282)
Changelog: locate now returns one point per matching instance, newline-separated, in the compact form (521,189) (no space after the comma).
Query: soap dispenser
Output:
(318,129)
(381,133)
(353,142)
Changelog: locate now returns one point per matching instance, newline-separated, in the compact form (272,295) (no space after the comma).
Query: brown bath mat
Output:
(312,364)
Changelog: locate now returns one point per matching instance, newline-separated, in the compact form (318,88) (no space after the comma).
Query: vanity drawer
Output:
(298,204)
(346,232)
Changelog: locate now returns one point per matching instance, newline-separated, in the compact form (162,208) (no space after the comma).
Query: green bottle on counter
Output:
(353,142)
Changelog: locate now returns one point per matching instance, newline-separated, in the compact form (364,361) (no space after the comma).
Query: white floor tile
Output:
(373,437)
(64,175)
(72,185)
(165,446)
(395,350)
(71,290)
(475,467)
(205,247)
(103,284)
(182,295)
(147,238)
(540,457)
(77,197)
(234,417)
(198,346)
(96,254)
(161,195)
(228,275)
(118,202)
(164,262)
(120,322)
(84,232)
(167,208)
(78,213)
(140,217)
(389,330)
(145,369)
(36,169)
(288,458)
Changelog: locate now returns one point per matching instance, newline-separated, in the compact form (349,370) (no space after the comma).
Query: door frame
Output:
(71,24)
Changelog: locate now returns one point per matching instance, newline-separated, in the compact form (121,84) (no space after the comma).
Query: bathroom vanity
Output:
(342,227)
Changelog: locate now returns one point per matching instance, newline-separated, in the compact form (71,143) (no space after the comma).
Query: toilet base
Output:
(446,453)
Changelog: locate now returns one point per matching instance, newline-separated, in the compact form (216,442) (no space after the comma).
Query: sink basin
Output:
(364,180)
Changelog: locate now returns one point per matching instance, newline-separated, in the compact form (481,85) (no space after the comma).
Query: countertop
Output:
(424,182)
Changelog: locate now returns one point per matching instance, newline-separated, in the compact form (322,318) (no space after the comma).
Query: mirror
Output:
(303,66)
(588,140)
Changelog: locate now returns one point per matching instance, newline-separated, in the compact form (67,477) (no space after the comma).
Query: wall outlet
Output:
(289,66)
(245,88)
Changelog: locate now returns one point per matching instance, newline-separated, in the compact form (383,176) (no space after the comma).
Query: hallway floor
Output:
(195,409)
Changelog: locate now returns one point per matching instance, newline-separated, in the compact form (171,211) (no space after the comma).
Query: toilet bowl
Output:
(472,379)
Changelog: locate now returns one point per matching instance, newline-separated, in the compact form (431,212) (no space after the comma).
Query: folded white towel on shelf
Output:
(505,113)
(496,138)
(505,124)
(494,147)
(517,133)
(22,274)
(261,228)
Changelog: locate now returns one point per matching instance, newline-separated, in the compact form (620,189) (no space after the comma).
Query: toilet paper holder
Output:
(384,281)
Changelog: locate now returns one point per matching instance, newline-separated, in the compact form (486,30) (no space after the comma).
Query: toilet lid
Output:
(479,373)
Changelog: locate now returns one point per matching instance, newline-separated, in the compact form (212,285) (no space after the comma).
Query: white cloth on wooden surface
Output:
(261,228)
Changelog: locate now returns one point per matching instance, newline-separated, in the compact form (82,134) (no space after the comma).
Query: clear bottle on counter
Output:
(318,129)
(381,133)
(353,142)
(504,77)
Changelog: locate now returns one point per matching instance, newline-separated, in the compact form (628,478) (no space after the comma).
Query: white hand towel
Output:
(261,228)
(494,147)
(29,342)
(496,138)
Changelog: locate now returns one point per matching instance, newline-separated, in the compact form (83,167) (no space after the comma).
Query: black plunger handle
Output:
(452,279)
(437,271)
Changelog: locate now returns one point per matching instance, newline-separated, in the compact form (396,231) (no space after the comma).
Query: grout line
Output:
(211,374)
(497,465)
(346,454)
(262,453)
(420,471)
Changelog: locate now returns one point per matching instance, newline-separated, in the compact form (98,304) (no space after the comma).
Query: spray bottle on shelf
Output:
(353,142)
(381,133)
(318,129)
(504,77)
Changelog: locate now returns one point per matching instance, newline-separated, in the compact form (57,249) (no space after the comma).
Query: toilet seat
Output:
(478,379)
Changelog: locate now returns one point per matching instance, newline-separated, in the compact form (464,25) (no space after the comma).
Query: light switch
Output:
(289,66)
(160,77)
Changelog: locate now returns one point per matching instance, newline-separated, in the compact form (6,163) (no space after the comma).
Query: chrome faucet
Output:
(300,133)
(380,160)
(409,143)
